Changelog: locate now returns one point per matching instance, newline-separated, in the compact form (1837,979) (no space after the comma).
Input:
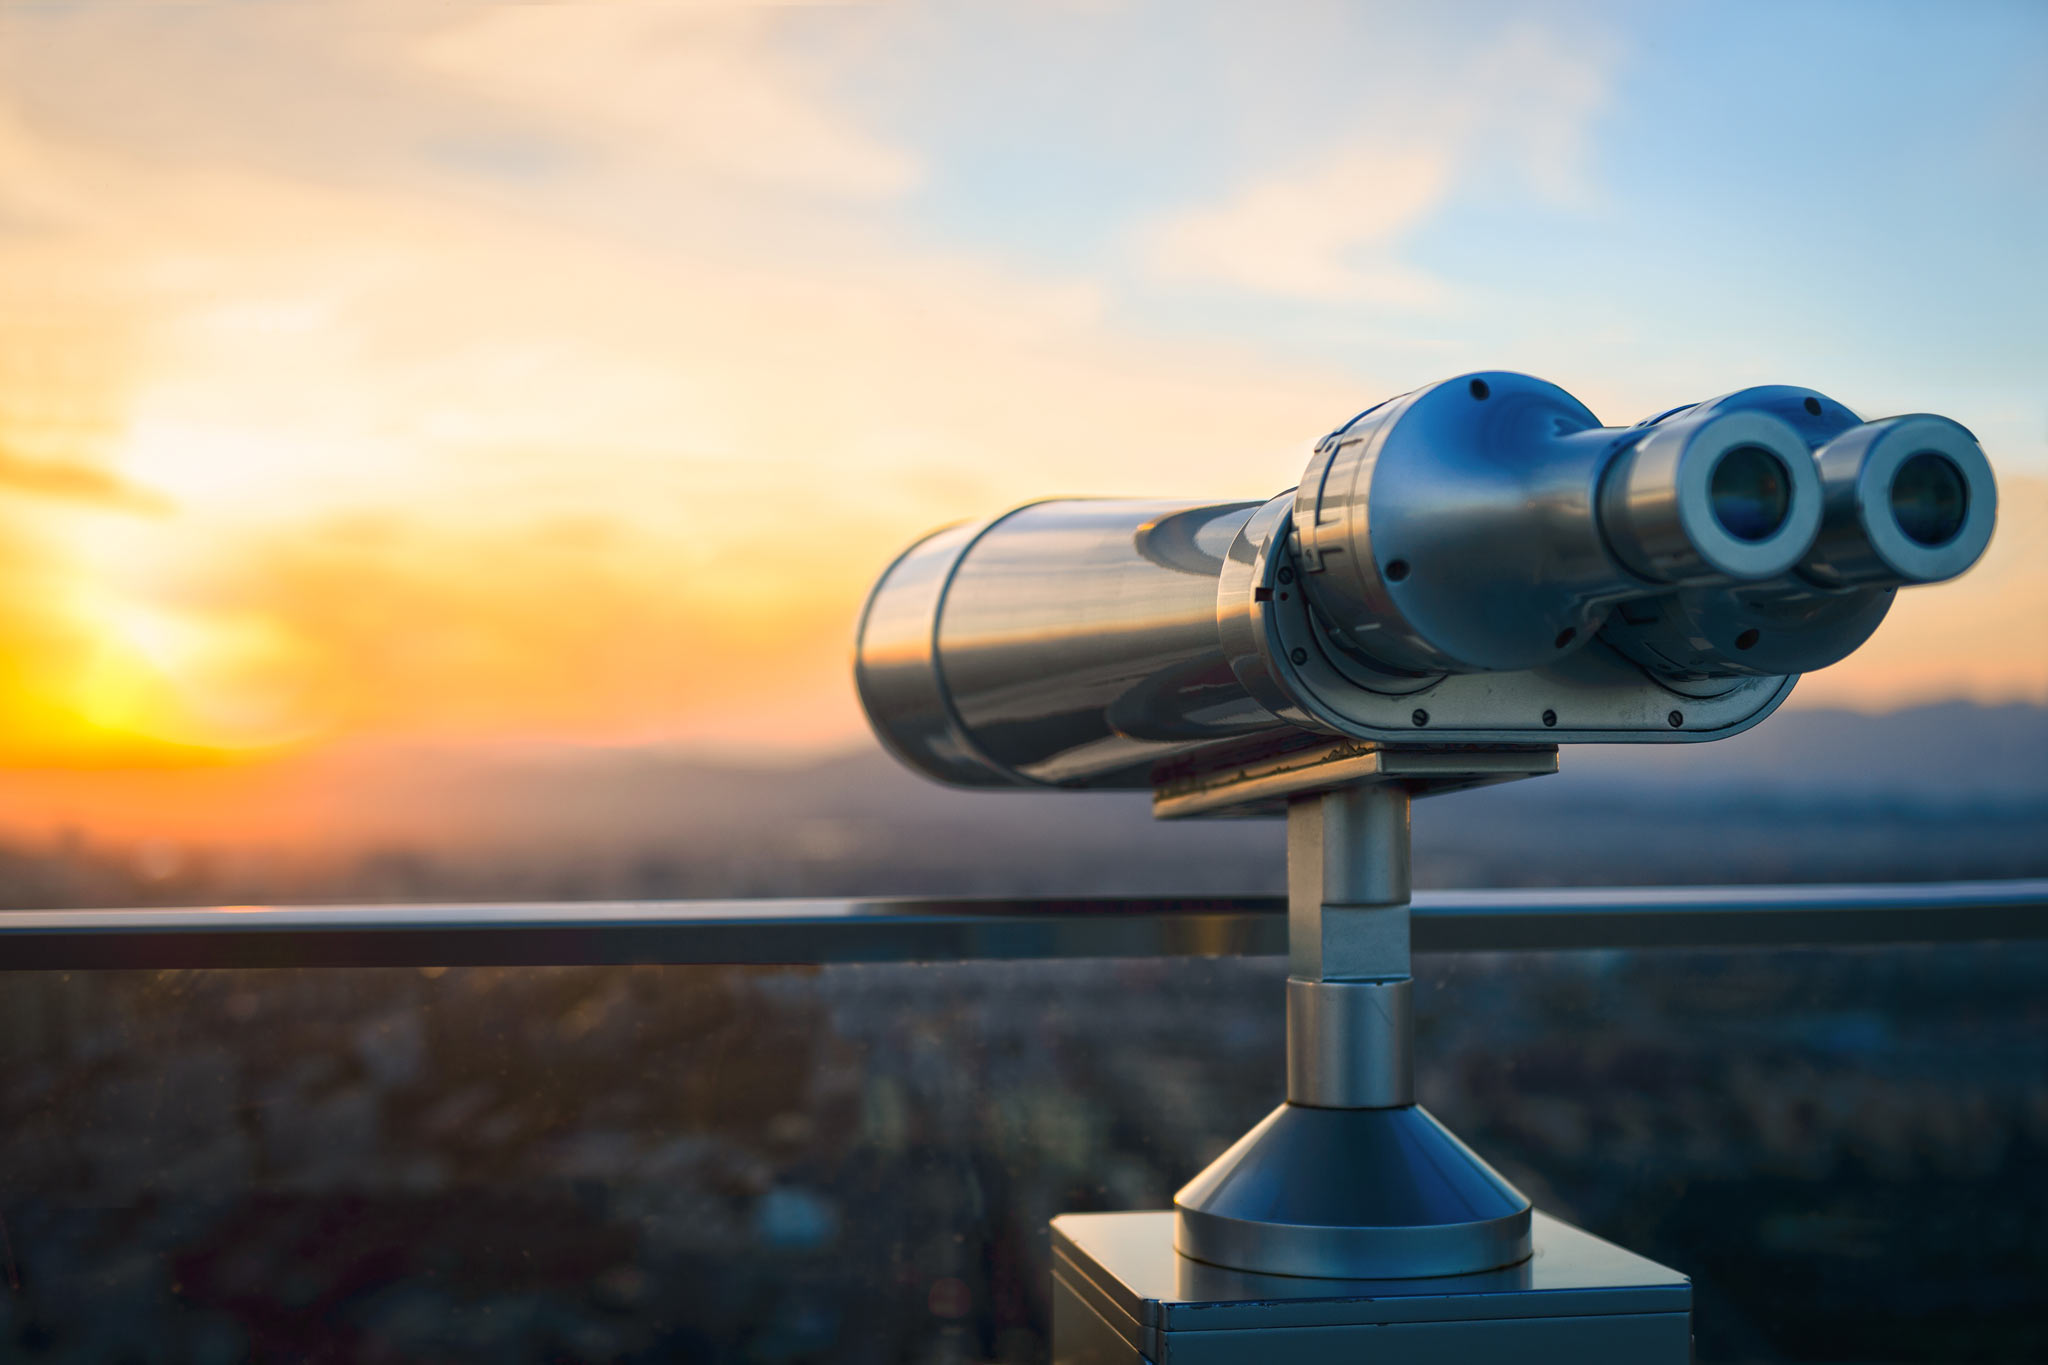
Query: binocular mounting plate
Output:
(1259,778)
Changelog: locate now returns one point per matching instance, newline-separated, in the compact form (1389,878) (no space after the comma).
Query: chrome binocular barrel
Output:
(1476,562)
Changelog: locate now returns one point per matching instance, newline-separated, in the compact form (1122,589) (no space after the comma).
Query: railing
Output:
(859,1163)
(942,930)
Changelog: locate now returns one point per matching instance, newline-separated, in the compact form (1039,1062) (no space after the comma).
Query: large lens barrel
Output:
(1063,642)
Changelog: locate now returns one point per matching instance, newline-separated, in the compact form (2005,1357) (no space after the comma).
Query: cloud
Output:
(73,482)
(1335,227)
(703,87)
(1327,233)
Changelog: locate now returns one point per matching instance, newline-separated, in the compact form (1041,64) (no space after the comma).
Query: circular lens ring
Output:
(1765,539)
(1887,448)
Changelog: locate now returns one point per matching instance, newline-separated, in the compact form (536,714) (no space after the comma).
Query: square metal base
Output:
(1122,1295)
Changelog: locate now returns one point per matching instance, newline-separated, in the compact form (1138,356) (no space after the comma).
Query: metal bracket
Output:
(1259,779)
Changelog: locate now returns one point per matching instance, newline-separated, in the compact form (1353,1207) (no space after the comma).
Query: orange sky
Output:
(523,373)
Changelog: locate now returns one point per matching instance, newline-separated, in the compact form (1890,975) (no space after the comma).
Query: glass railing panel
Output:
(1844,1147)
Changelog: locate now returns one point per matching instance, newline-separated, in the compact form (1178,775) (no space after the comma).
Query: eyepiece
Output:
(1708,496)
(1907,500)
(1750,492)
(1929,498)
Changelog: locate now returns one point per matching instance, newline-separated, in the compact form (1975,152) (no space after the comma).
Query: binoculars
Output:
(1467,576)
(1478,562)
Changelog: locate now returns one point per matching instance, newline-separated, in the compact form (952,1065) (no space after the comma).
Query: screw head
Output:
(1421,717)
(1299,656)
(1550,717)
(1677,718)
(1286,574)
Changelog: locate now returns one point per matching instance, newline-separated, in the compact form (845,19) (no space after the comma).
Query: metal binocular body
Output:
(1476,562)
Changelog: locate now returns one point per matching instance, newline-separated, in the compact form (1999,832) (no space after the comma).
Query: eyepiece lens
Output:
(1929,498)
(1751,493)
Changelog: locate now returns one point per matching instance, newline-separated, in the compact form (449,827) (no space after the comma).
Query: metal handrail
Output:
(938,930)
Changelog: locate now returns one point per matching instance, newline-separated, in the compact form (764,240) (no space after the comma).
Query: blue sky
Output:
(1849,196)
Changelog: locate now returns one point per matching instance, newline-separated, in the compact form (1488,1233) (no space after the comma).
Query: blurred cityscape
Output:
(1847,1149)
(1947,791)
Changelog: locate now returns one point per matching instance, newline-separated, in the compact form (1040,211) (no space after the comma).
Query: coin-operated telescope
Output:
(1467,576)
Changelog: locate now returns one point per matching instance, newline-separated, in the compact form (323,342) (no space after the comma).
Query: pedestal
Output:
(1122,1295)
(1350,1225)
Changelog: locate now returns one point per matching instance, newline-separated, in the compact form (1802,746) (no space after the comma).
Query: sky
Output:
(485,374)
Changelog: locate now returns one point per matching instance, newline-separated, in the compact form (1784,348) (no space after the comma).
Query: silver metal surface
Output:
(941,930)
(1348,883)
(1483,524)
(1350,1007)
(1826,915)
(1881,526)
(1350,847)
(1351,1044)
(1350,1016)
(1092,625)
(1441,532)
(1905,500)
(1261,778)
(1065,643)
(1349,1178)
(1476,562)
(1351,1194)
(1670,518)
(1284,656)
(1701,638)
(1477,568)
(896,668)
(1124,1296)
(812,931)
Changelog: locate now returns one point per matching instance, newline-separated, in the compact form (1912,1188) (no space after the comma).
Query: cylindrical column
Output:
(1350,1009)
(1350,1179)
(1350,1044)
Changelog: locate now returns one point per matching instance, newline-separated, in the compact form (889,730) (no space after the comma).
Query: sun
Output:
(224,685)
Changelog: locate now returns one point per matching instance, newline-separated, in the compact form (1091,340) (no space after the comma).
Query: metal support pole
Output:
(1350,999)
(1350,1179)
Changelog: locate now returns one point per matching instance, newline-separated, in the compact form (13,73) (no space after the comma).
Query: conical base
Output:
(1351,1194)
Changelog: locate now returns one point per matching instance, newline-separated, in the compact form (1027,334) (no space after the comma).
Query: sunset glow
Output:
(469,375)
